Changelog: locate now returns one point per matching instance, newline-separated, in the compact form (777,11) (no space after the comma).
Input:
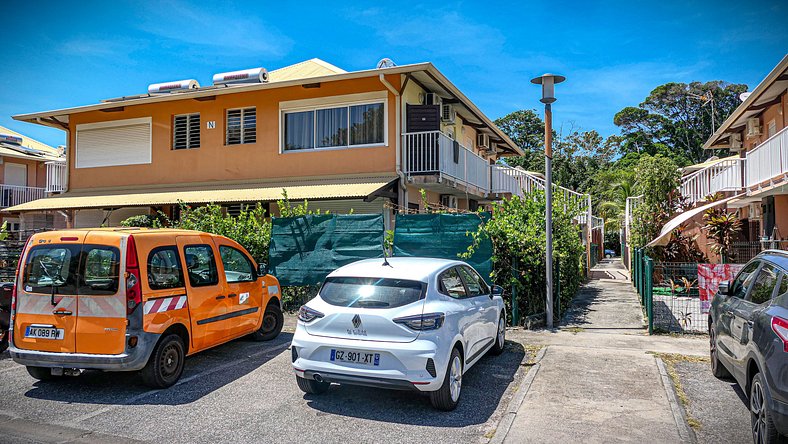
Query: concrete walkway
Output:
(597,382)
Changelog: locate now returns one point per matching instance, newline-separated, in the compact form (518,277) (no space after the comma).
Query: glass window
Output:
(186,131)
(743,280)
(763,288)
(241,126)
(200,265)
(299,131)
(371,292)
(474,282)
(101,272)
(164,268)
(366,124)
(451,284)
(237,267)
(331,127)
(52,269)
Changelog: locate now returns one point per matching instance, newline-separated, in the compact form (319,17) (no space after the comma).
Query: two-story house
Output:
(30,170)
(365,140)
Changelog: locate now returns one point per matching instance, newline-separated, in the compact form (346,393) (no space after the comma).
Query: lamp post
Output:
(548,82)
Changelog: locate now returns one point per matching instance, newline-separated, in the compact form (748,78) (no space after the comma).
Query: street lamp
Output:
(548,82)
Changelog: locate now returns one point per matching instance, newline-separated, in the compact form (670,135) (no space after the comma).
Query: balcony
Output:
(56,177)
(767,161)
(11,195)
(725,175)
(432,153)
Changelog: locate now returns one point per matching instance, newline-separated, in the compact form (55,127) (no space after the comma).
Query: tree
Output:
(525,128)
(657,179)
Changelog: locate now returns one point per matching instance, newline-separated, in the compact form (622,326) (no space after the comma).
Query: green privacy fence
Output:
(305,249)
(443,236)
(642,270)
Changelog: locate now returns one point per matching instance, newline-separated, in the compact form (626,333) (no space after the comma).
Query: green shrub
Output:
(143,221)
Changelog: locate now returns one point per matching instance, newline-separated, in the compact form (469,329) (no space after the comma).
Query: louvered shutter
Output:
(241,126)
(186,131)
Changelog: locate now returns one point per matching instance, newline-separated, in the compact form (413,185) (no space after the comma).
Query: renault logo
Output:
(356,321)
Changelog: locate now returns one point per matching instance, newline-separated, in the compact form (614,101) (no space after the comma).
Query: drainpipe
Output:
(402,194)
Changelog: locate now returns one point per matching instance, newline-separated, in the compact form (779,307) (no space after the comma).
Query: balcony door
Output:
(13,174)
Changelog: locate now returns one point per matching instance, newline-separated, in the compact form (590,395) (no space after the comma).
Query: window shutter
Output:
(186,132)
(123,142)
(249,125)
(241,126)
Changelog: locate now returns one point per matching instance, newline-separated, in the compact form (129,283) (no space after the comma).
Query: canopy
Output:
(667,230)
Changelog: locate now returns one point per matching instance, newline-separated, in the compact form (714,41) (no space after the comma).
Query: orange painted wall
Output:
(214,161)
(36,171)
(781,215)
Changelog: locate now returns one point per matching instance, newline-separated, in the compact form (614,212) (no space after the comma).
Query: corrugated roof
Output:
(50,152)
(350,188)
(304,70)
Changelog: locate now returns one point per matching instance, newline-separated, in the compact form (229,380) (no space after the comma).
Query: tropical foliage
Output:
(722,228)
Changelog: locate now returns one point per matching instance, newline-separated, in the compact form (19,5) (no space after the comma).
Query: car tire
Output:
(312,387)
(273,320)
(447,397)
(763,429)
(717,368)
(165,365)
(41,373)
(500,337)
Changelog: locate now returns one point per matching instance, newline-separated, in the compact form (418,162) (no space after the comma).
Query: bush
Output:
(142,221)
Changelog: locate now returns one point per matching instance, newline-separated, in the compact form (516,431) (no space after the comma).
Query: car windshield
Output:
(371,292)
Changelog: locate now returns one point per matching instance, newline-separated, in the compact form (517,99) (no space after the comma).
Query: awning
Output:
(667,230)
(268,192)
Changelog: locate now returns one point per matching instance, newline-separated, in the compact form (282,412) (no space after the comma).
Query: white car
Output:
(404,323)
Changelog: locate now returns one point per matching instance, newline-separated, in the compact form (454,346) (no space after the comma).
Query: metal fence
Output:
(676,305)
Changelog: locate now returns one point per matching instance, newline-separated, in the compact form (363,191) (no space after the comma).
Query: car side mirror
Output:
(262,269)
(497,290)
(724,288)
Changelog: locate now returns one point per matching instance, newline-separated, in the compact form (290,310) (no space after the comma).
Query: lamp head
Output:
(548,82)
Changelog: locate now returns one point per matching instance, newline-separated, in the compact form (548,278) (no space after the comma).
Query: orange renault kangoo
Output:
(135,299)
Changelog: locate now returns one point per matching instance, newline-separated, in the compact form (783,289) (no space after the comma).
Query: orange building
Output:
(365,140)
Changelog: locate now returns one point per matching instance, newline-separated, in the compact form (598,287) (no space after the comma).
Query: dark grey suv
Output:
(748,332)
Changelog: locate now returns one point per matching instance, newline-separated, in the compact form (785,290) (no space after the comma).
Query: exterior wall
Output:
(781,215)
(36,171)
(776,113)
(214,161)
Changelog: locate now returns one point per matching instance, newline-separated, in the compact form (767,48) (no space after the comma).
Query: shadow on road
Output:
(204,373)
(482,389)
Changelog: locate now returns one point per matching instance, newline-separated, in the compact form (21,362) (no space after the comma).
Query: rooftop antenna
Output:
(385,258)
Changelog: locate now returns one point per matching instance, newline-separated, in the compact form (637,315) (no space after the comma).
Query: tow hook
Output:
(57,371)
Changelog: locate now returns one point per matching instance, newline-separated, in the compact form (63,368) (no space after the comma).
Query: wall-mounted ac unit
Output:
(448,201)
(493,148)
(432,99)
(448,113)
(483,141)
(753,127)
(755,211)
(735,141)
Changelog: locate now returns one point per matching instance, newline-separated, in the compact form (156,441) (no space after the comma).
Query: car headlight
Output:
(306,314)
(426,321)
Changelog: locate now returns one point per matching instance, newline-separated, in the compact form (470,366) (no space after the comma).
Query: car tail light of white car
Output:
(780,328)
(306,314)
(422,322)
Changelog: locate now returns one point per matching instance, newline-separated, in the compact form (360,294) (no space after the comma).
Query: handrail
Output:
(768,160)
(725,175)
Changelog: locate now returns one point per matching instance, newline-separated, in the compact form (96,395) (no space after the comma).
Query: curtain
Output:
(331,127)
(366,124)
(299,130)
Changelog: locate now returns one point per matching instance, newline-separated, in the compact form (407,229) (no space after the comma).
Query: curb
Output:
(679,415)
(505,424)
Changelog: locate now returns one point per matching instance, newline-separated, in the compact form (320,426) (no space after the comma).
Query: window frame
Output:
(213,259)
(759,263)
(483,284)
(324,103)
(178,261)
(251,263)
(777,282)
(444,291)
(189,117)
(243,111)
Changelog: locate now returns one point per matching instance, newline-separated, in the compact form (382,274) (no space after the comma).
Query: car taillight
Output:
(306,314)
(780,328)
(426,321)
(133,287)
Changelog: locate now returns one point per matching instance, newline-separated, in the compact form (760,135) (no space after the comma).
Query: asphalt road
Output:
(245,392)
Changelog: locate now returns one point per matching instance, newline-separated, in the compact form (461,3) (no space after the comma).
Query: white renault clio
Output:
(404,323)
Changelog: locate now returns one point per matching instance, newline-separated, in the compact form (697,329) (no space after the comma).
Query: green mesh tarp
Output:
(443,236)
(305,249)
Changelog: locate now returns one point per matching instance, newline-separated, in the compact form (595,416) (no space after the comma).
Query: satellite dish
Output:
(743,96)
(386,63)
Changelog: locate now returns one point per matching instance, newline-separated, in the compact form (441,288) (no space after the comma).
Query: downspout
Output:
(403,188)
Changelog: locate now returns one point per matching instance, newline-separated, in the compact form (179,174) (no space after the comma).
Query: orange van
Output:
(134,299)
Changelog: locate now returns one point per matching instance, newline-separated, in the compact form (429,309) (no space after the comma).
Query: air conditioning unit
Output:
(448,114)
(753,127)
(449,201)
(736,141)
(483,141)
(755,211)
(493,148)
(432,99)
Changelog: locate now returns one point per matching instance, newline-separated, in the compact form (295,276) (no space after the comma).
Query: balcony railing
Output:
(725,175)
(768,160)
(11,195)
(56,177)
(432,152)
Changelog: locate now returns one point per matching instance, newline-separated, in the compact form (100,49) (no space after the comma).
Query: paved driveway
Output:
(243,392)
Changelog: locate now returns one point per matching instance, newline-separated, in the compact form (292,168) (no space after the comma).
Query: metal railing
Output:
(56,177)
(432,152)
(768,160)
(11,195)
(725,175)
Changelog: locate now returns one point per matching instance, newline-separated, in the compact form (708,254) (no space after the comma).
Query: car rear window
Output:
(72,269)
(371,292)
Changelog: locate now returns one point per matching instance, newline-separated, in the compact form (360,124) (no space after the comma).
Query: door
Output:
(244,303)
(745,312)
(466,311)
(480,293)
(738,291)
(205,291)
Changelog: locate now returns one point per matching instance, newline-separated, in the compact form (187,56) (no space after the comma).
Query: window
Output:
(474,282)
(186,131)
(201,265)
(237,267)
(763,288)
(336,127)
(451,284)
(241,126)
(52,269)
(743,280)
(164,269)
(371,292)
(102,270)
(771,128)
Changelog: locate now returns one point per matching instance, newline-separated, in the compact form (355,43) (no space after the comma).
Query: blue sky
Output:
(63,54)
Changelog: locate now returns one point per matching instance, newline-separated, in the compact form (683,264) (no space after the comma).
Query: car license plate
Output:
(355,357)
(39,332)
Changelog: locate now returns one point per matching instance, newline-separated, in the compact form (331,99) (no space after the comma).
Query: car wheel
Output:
(500,337)
(717,368)
(448,396)
(165,365)
(41,373)
(273,320)
(763,429)
(312,387)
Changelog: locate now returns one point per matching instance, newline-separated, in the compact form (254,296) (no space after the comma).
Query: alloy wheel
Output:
(758,413)
(455,379)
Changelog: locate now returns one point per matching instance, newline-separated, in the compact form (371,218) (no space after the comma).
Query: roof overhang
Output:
(667,231)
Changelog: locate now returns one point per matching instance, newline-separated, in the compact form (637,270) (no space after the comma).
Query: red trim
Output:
(781,323)
(420,383)
(298,369)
